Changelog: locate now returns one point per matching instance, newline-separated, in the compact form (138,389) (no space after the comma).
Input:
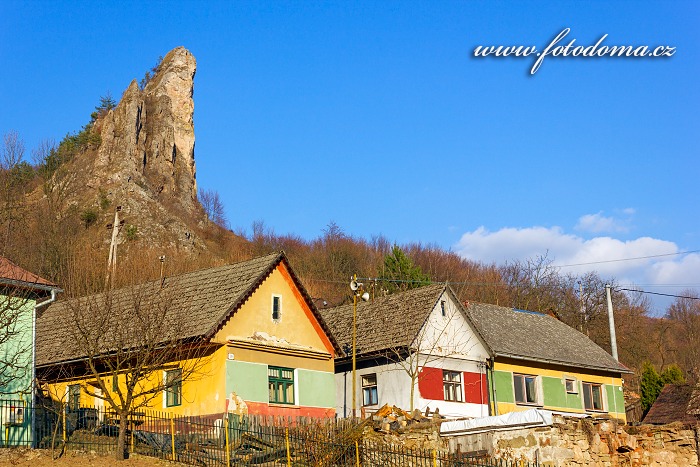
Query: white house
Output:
(415,350)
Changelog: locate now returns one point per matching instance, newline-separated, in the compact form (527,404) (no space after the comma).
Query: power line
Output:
(627,259)
(662,294)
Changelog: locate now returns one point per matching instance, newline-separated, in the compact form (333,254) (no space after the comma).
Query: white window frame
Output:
(368,387)
(272,308)
(536,394)
(574,385)
(590,385)
(458,388)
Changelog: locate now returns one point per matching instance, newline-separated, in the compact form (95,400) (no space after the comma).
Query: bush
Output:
(131,232)
(88,217)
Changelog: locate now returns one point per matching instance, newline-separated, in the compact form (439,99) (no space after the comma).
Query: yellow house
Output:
(538,361)
(261,345)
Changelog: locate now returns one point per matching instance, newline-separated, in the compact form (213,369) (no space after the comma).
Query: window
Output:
(369,389)
(442,308)
(281,385)
(73,397)
(571,387)
(452,385)
(173,387)
(276,307)
(593,396)
(525,389)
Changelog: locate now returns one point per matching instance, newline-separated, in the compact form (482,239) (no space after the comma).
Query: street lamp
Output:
(357,289)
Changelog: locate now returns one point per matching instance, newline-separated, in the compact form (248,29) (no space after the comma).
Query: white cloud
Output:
(598,223)
(576,253)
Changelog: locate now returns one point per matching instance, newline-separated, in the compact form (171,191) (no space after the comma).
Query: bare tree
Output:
(213,207)
(131,334)
(684,313)
(444,335)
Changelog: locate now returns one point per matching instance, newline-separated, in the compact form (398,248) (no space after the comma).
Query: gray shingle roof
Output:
(537,337)
(386,322)
(207,298)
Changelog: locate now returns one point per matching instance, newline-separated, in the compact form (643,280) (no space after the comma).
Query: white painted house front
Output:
(415,350)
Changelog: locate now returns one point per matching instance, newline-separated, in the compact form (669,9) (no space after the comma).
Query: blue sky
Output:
(376,116)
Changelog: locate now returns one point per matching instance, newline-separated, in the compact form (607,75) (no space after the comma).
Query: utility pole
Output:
(611,322)
(112,259)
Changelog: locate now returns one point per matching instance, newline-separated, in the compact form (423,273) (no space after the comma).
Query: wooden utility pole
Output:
(112,259)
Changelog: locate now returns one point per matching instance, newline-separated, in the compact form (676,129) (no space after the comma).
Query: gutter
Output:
(54,292)
(569,364)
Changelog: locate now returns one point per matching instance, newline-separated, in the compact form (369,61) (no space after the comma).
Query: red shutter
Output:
(475,388)
(430,383)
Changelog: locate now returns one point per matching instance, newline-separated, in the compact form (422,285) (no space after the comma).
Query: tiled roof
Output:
(676,403)
(12,274)
(389,322)
(206,297)
(537,337)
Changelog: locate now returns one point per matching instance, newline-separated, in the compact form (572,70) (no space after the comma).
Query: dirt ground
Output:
(42,458)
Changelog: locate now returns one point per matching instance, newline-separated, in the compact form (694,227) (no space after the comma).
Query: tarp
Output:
(509,421)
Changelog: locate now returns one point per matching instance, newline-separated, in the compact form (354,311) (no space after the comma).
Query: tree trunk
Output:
(121,440)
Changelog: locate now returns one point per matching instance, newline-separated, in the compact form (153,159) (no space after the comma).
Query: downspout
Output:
(493,406)
(481,388)
(33,385)
(345,394)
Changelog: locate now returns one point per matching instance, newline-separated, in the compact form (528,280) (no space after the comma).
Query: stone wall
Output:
(588,442)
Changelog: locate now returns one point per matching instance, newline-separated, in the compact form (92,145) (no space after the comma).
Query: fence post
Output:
(132,439)
(357,454)
(228,449)
(286,439)
(434,457)
(172,433)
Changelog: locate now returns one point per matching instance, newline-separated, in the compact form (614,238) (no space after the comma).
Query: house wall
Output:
(446,342)
(247,378)
(16,393)
(551,390)
(296,325)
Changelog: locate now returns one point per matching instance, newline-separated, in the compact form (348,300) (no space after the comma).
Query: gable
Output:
(295,323)
(446,332)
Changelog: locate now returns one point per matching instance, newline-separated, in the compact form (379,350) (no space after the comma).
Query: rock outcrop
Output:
(148,139)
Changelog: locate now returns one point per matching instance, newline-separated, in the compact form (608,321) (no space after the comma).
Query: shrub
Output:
(88,217)
(131,232)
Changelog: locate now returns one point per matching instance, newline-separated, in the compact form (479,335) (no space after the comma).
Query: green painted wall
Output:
(247,380)
(316,388)
(616,399)
(555,394)
(503,383)
(18,349)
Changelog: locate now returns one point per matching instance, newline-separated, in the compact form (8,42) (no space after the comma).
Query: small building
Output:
(415,350)
(538,361)
(21,294)
(676,403)
(268,350)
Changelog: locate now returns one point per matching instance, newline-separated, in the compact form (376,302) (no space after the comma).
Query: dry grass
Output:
(42,458)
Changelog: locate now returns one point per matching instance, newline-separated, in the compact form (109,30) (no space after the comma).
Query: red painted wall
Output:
(261,408)
(475,388)
(430,383)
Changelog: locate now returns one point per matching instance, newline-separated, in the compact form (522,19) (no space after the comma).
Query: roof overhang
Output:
(622,369)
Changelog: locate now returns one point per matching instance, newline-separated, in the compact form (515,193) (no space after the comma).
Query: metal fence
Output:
(217,440)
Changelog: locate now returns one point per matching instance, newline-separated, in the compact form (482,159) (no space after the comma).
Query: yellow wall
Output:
(554,372)
(255,315)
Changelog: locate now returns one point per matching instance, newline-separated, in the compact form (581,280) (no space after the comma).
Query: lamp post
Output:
(357,292)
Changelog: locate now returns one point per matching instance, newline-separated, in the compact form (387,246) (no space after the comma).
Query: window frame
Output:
(524,391)
(287,385)
(587,390)
(369,389)
(452,390)
(73,396)
(276,298)
(574,386)
(172,393)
